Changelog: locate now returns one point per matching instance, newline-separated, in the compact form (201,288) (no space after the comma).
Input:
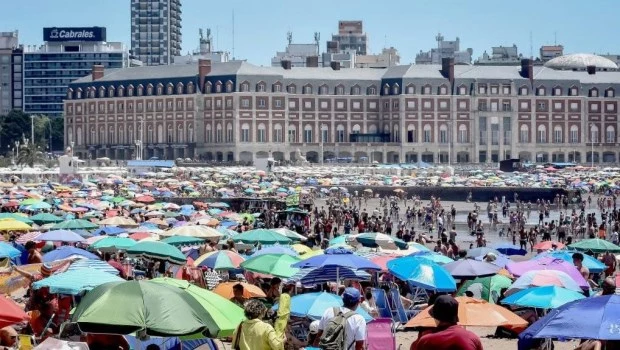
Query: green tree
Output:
(13,127)
(30,155)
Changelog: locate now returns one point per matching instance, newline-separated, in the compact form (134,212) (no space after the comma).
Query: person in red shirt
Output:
(448,335)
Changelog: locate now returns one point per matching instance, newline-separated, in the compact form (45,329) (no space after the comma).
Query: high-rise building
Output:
(10,75)
(501,55)
(156,31)
(445,49)
(350,37)
(549,52)
(66,55)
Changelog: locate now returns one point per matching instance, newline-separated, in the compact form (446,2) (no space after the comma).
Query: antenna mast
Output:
(317,40)
(289,37)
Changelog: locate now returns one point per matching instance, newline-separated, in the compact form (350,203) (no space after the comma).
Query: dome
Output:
(581,61)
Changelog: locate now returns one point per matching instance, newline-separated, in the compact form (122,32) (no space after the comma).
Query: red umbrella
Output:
(145,199)
(138,236)
(10,313)
(11,203)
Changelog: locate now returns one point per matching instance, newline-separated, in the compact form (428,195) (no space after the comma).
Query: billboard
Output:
(74,34)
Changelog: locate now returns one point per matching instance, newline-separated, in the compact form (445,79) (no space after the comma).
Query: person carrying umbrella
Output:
(254,333)
(448,334)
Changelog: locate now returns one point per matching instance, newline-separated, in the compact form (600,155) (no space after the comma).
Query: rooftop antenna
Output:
(289,37)
(317,40)
(555,38)
(531,47)
(233,34)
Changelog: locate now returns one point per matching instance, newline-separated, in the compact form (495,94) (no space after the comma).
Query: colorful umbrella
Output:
(183,240)
(225,290)
(314,305)
(431,256)
(203,232)
(520,268)
(547,245)
(65,252)
(486,288)
(509,249)
(595,245)
(262,236)
(8,251)
(547,297)
(75,224)
(220,260)
(13,225)
(541,278)
(276,249)
(224,315)
(144,307)
(118,221)
(60,236)
(422,273)
(339,257)
(76,281)
(290,234)
(19,217)
(159,251)
(113,244)
(10,312)
(272,264)
(469,268)
(375,239)
(93,264)
(315,275)
(593,264)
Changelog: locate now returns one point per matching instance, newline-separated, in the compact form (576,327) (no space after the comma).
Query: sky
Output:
(408,25)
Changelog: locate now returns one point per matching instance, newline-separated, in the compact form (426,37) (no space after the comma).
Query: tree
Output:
(30,155)
(13,127)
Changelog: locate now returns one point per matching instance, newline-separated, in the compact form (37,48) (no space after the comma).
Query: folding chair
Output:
(380,335)
(383,304)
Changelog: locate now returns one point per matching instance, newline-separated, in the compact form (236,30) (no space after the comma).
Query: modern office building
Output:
(350,37)
(156,31)
(10,72)
(549,52)
(66,55)
(445,49)
(433,113)
(501,56)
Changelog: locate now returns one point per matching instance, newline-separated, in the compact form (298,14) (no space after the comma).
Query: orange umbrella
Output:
(249,291)
(473,312)
(10,312)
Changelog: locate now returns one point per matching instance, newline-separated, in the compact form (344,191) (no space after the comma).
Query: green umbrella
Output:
(272,264)
(141,307)
(113,243)
(46,218)
(595,245)
(18,217)
(117,199)
(486,288)
(290,234)
(29,201)
(182,240)
(225,315)
(262,236)
(75,224)
(158,250)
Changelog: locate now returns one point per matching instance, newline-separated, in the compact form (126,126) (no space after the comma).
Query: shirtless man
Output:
(34,256)
(578,262)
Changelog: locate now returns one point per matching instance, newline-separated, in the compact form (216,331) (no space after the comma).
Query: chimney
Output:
(312,61)
(97,72)
(204,68)
(335,65)
(286,64)
(447,68)
(591,70)
(527,69)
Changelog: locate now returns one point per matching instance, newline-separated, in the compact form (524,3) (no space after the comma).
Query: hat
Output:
(314,327)
(351,296)
(445,309)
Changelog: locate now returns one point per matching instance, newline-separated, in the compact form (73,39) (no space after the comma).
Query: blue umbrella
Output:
(60,236)
(74,282)
(228,223)
(93,264)
(276,249)
(66,252)
(469,268)
(500,260)
(422,273)
(482,251)
(594,265)
(547,297)
(339,257)
(589,318)
(8,251)
(509,249)
(109,231)
(187,207)
(434,257)
(313,276)
(313,305)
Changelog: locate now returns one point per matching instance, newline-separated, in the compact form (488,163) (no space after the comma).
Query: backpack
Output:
(334,337)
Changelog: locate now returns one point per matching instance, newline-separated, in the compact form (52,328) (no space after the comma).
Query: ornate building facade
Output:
(236,111)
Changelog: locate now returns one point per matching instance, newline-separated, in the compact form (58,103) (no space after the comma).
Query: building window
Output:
(410,90)
(262,103)
(160,89)
(323,90)
(277,87)
(340,133)
(443,90)
(506,90)
(610,93)
(372,90)
(386,89)
(443,134)
(292,134)
(593,92)
(209,134)
(245,132)
(307,90)
(339,90)
(428,137)
(524,134)
(542,134)
(245,103)
(482,89)
(557,135)
(506,106)
(190,88)
(610,107)
(324,134)
(277,133)
(180,89)
(540,91)
(574,134)
(482,105)
(355,90)
(245,87)
(229,86)
(229,103)
(462,90)
(610,134)
(218,87)
(308,134)
(594,107)
(291,89)
(411,134)
(356,129)
(593,133)
(396,89)
(541,106)
(523,91)
(573,91)
(557,106)
(557,91)
(277,103)
(443,105)
(229,133)
(261,135)
(463,134)
(574,106)
(218,133)
(260,87)
(494,90)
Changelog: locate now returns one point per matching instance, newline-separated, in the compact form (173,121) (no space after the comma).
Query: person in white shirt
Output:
(355,330)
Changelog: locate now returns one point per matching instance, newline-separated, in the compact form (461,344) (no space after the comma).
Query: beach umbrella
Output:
(13,225)
(113,244)
(224,315)
(145,199)
(314,305)
(220,260)
(434,257)
(382,260)
(290,234)
(520,268)
(29,201)
(65,252)
(422,273)
(418,247)
(595,245)
(472,313)
(547,297)
(315,275)
(93,264)
(486,288)
(159,251)
(509,249)
(262,236)
(75,224)
(589,318)
(301,249)
(118,221)
(225,290)
(17,216)
(183,241)
(541,278)
(499,260)
(76,281)
(342,239)
(203,232)
(469,268)
(593,264)
(547,245)
(28,236)
(45,218)
(375,239)
(8,251)
(39,206)
(142,307)
(109,231)
(276,249)
(272,264)
(481,251)
(60,236)
(10,312)
(339,257)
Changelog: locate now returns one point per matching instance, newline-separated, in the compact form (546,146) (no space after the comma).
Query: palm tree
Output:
(30,155)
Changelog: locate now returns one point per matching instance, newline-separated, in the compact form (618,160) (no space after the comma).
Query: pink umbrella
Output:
(520,268)
(30,236)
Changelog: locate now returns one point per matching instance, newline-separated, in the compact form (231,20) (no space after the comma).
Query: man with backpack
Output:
(341,328)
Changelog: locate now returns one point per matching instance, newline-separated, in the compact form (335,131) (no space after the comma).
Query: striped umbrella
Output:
(30,236)
(220,260)
(93,264)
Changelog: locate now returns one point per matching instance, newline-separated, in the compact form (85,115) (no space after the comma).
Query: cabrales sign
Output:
(74,34)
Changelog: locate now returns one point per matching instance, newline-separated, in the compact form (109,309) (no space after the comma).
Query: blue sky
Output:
(408,25)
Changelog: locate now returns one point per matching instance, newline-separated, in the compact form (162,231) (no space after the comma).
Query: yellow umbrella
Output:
(311,254)
(13,225)
(118,221)
(301,249)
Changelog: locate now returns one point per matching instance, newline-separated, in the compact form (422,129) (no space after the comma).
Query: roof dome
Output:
(581,61)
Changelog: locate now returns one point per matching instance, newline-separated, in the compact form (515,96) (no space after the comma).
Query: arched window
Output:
(79,137)
(412,136)
(190,133)
(170,134)
(308,137)
(610,92)
(160,89)
(245,132)
(395,89)
(339,90)
(130,90)
(443,133)
(245,86)
(229,86)
(610,134)
(371,90)
(180,88)
(558,136)
(261,86)
(140,90)
(69,94)
(160,134)
(594,92)
(428,134)
(130,134)
(102,136)
(340,135)
(121,135)
(169,89)
(372,129)
(149,90)
(542,134)
(524,134)
(395,133)
(356,90)
(93,136)
(219,137)
(291,89)
(218,87)
(324,133)
(386,89)
(111,91)
(112,135)
(307,89)
(101,92)
(261,133)
(209,134)
(150,134)
(277,133)
(323,90)
(356,129)
(180,133)
(292,134)
(410,89)
(229,133)
(463,134)
(574,134)
(121,91)
(190,88)
(208,87)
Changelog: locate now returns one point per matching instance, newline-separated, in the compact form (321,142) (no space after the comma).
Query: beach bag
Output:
(333,337)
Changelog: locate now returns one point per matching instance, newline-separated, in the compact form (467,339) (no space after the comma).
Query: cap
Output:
(445,309)
(351,295)
(314,327)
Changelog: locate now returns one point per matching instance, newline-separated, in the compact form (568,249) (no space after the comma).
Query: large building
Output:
(10,72)
(299,55)
(156,31)
(501,56)
(549,52)
(433,113)
(66,55)
(350,37)
(445,49)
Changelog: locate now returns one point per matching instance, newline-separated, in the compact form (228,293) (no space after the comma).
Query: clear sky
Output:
(408,25)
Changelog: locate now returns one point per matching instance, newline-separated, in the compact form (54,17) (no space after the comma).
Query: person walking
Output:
(342,319)
(254,333)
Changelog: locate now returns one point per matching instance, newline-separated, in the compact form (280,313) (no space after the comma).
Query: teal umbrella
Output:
(159,251)
(262,236)
(376,239)
(272,264)
(182,240)
(75,282)
(547,297)
(75,224)
(18,217)
(46,218)
(113,244)
(595,245)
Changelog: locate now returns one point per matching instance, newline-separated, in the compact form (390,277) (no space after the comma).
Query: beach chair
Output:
(402,315)
(380,335)
(383,304)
